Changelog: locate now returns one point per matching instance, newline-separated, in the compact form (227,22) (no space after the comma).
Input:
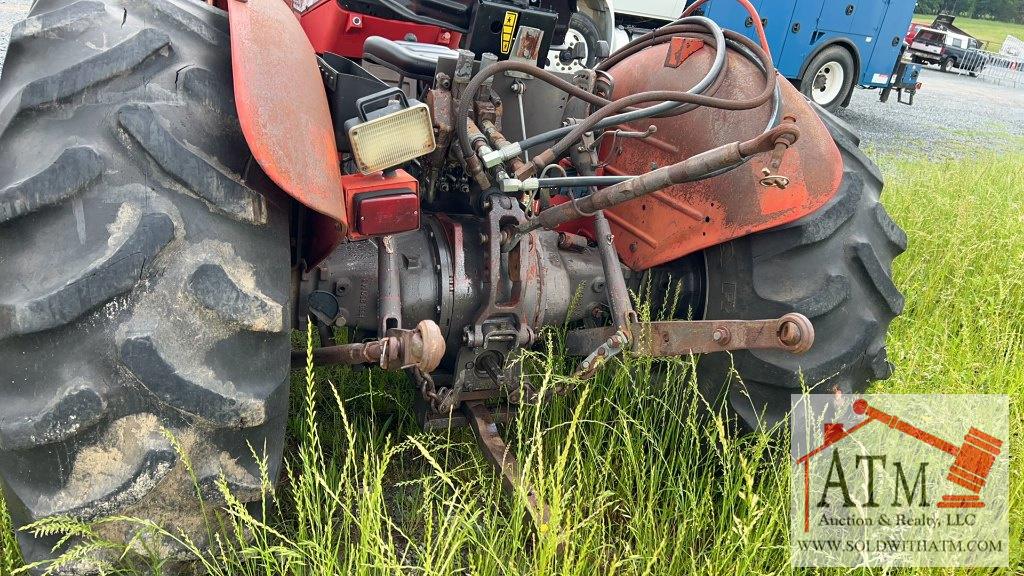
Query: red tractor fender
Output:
(685,218)
(282,108)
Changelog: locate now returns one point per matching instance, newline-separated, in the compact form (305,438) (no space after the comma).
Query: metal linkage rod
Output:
(695,168)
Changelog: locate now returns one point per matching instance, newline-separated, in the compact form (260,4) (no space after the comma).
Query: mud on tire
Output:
(835,267)
(143,282)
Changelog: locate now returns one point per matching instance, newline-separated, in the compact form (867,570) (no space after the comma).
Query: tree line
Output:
(1005,10)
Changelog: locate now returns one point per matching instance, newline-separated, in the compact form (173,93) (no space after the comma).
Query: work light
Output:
(392,136)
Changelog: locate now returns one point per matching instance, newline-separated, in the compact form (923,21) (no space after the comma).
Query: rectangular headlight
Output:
(392,139)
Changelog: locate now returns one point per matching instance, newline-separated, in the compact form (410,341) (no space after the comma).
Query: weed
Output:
(635,482)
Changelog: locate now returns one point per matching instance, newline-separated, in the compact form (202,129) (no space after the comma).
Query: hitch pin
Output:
(769,176)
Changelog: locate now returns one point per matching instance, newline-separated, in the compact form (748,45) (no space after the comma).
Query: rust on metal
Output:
(791,333)
(692,170)
(422,348)
(572,242)
(282,106)
(663,227)
(680,49)
(501,457)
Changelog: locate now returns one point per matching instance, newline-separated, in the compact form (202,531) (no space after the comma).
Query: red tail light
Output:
(387,212)
(382,204)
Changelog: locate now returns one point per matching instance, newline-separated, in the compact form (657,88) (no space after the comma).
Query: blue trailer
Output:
(827,47)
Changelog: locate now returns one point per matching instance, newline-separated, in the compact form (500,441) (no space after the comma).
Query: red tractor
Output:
(182,184)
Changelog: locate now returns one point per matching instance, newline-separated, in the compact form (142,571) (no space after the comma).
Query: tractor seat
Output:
(411,59)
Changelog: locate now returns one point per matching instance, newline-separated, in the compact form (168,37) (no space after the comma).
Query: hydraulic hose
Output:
(659,110)
(754,17)
(580,181)
(692,169)
(667,96)
(687,26)
(466,99)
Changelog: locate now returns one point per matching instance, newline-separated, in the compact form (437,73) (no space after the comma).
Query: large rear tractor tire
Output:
(835,267)
(144,280)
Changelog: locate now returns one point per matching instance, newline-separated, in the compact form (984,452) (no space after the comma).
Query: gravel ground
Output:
(10,12)
(951,116)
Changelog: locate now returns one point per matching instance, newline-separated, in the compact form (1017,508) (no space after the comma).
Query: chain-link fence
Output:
(990,66)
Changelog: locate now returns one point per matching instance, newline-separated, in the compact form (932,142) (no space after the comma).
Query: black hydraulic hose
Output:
(549,155)
(651,38)
(466,100)
(658,110)
(694,168)
(580,181)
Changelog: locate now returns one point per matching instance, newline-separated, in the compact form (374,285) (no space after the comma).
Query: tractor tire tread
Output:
(115,61)
(834,266)
(76,408)
(144,274)
(190,167)
(201,395)
(871,265)
(78,15)
(114,273)
(72,171)
(212,286)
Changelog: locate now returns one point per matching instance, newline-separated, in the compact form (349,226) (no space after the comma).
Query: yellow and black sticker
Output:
(508,31)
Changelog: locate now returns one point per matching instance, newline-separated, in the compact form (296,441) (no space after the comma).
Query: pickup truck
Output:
(948,50)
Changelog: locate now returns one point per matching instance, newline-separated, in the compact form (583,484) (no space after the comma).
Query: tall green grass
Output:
(634,483)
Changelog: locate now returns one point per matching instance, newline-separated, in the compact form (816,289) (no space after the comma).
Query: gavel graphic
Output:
(972,461)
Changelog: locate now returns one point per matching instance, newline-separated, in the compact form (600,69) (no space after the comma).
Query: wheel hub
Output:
(828,83)
(564,58)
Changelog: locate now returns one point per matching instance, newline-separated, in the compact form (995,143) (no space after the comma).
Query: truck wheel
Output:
(829,77)
(144,278)
(945,64)
(582,32)
(835,267)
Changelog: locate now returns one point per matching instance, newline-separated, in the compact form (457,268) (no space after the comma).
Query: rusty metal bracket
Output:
(390,286)
(422,348)
(623,314)
(769,174)
(791,333)
(500,455)
(609,349)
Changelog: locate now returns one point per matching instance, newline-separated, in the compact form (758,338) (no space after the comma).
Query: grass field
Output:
(991,31)
(635,485)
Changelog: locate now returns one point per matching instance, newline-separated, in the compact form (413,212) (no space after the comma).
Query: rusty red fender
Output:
(282,106)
